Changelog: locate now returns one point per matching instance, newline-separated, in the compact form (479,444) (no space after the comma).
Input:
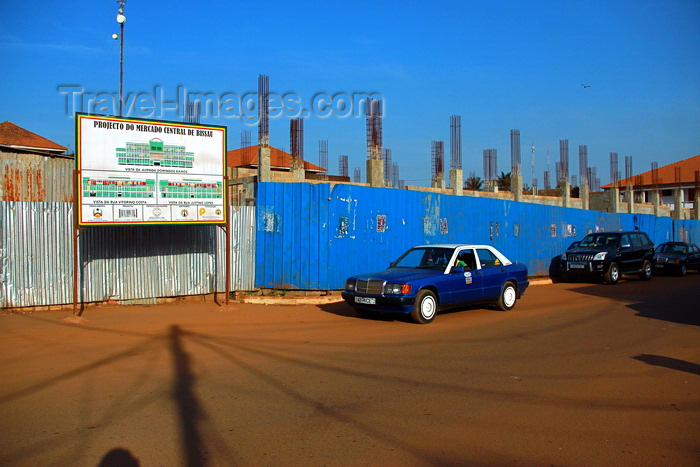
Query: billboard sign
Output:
(136,171)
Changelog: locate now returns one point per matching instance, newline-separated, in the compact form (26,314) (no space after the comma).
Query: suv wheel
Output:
(613,274)
(645,275)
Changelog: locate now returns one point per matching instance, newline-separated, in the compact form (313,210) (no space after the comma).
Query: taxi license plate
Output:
(577,266)
(366,300)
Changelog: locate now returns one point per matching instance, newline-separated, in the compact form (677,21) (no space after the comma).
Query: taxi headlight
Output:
(397,289)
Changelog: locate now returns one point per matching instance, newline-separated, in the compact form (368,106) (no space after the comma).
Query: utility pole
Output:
(532,174)
(121,19)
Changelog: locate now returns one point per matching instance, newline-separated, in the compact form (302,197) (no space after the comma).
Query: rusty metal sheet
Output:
(33,177)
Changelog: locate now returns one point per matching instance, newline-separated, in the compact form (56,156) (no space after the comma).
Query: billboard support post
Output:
(228,241)
(76,252)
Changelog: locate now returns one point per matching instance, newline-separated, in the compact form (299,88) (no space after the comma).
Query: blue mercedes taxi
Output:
(428,278)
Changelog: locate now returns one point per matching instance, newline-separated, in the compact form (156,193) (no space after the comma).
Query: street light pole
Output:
(121,19)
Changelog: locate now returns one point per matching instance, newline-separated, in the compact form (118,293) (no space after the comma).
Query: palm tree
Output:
(503,181)
(473,183)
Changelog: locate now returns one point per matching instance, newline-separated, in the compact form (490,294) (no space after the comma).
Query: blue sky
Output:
(500,65)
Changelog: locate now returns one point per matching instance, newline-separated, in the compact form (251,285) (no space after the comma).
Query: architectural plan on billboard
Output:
(144,171)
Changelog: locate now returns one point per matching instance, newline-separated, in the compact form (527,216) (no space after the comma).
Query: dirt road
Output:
(576,375)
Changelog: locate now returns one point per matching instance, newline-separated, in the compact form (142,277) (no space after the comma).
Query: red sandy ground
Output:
(576,374)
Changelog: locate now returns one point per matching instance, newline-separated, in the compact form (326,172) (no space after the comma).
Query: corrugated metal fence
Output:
(126,263)
(313,236)
(299,236)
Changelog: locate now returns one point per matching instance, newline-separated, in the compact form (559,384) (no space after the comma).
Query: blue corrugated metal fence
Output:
(313,236)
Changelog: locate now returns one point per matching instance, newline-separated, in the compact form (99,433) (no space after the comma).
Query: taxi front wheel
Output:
(425,308)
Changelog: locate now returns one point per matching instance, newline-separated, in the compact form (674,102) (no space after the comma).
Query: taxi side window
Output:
(487,259)
(466,259)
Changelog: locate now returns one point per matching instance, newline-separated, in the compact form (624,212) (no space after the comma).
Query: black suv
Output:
(609,255)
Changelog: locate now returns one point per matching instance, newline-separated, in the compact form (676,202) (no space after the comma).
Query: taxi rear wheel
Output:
(508,297)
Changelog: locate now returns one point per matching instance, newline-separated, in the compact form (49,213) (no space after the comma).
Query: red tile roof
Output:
(666,174)
(248,157)
(15,136)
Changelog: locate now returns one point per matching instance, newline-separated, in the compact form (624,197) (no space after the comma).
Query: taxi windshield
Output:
(425,258)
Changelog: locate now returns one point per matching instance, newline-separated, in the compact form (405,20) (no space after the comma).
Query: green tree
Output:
(473,183)
(503,181)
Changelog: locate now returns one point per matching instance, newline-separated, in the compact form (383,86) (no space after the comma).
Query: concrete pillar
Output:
(516,187)
(629,197)
(439,183)
(298,173)
(249,193)
(696,205)
(677,203)
(585,196)
(614,199)
(264,171)
(375,173)
(656,201)
(566,194)
(457,182)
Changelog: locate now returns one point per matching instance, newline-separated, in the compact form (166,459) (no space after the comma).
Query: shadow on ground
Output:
(677,303)
(668,362)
